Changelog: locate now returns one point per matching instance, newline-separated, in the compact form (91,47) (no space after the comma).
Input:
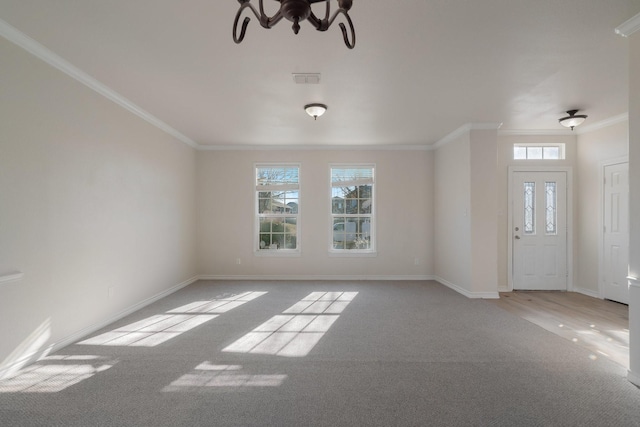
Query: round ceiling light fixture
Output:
(315,110)
(573,119)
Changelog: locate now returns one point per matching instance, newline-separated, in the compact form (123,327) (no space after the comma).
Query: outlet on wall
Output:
(111,291)
(416,261)
(238,261)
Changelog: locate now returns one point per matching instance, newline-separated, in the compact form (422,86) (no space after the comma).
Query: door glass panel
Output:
(529,208)
(550,201)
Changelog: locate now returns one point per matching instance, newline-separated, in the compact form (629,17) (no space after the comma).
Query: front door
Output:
(616,233)
(539,230)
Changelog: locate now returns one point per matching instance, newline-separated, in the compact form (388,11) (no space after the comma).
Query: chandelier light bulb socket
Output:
(315,110)
(573,119)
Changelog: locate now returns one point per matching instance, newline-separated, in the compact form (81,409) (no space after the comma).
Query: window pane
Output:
(352,207)
(550,204)
(529,208)
(277,207)
(551,153)
(534,153)
(519,153)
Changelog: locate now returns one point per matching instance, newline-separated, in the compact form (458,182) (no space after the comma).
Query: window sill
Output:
(277,253)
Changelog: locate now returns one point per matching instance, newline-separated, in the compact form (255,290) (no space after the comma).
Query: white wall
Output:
(634,193)
(484,211)
(505,160)
(92,198)
(593,149)
(452,213)
(404,198)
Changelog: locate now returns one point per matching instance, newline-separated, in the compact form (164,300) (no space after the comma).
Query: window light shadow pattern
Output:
(208,376)
(160,328)
(297,331)
(55,373)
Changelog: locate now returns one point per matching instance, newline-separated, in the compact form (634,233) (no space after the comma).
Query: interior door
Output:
(616,233)
(539,218)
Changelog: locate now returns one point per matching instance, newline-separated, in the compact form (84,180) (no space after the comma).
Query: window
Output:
(538,152)
(277,208)
(352,209)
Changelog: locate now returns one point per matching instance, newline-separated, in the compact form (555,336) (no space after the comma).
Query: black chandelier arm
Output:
(265,21)
(321,24)
(350,44)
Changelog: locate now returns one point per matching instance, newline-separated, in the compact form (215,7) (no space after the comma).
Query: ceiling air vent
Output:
(306,78)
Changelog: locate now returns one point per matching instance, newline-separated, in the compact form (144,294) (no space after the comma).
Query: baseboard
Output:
(466,293)
(587,292)
(312,277)
(633,378)
(127,311)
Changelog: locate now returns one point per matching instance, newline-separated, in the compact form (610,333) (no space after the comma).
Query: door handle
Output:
(517,237)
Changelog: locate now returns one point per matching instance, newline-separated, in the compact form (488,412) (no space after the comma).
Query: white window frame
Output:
(372,250)
(257,250)
(561,151)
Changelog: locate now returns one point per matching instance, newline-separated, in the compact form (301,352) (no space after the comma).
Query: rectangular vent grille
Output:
(306,78)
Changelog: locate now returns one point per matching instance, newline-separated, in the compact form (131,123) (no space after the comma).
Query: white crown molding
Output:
(629,27)
(33,47)
(314,147)
(466,128)
(567,132)
(603,123)
(536,132)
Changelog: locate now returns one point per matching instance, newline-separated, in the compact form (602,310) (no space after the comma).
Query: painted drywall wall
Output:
(634,198)
(505,160)
(484,211)
(453,213)
(97,207)
(404,216)
(593,149)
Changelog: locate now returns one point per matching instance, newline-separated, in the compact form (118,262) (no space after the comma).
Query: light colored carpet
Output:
(399,354)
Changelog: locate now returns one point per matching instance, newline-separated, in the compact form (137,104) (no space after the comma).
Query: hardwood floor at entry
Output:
(599,325)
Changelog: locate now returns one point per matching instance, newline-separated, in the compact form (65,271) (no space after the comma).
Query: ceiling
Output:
(420,69)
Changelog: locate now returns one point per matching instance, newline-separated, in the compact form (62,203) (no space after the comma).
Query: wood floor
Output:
(598,325)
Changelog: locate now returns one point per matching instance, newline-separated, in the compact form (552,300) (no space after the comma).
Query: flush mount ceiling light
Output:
(572,120)
(315,110)
(296,11)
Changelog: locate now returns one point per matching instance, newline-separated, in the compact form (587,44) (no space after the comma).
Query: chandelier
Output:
(296,11)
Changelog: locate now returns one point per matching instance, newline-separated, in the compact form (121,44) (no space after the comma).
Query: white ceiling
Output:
(419,71)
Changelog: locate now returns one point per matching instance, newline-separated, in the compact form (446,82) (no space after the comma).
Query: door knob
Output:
(517,237)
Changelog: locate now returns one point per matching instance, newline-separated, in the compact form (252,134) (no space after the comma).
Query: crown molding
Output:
(314,147)
(536,132)
(620,118)
(629,27)
(36,49)
(466,128)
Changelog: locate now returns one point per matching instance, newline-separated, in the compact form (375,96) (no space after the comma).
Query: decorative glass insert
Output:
(529,208)
(277,206)
(352,208)
(551,201)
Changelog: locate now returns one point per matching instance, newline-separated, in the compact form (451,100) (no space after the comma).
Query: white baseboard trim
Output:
(633,378)
(587,292)
(466,293)
(127,311)
(312,277)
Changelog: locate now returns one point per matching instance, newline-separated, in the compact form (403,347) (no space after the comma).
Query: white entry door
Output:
(616,233)
(539,230)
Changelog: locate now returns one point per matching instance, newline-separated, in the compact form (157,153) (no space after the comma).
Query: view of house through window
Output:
(277,207)
(352,208)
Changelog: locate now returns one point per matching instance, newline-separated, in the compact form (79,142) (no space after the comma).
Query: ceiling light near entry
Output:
(572,120)
(315,110)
